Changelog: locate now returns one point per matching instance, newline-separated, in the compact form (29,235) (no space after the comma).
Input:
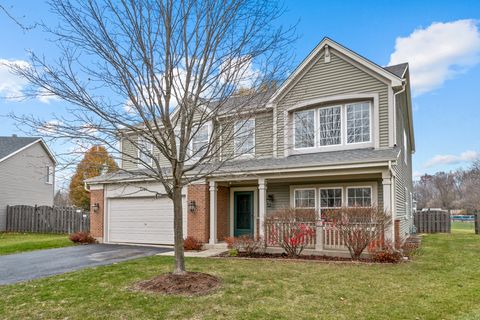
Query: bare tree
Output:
(168,78)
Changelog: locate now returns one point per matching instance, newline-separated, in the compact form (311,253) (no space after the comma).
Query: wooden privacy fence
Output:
(432,221)
(46,219)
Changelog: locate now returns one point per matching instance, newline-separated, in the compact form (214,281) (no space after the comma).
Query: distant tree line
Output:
(458,189)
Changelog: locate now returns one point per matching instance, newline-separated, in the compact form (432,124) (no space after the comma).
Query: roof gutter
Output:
(404,87)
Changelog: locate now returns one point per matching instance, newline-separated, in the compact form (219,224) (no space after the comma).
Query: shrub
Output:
(229,241)
(359,227)
(82,237)
(190,243)
(232,252)
(247,244)
(291,229)
(387,254)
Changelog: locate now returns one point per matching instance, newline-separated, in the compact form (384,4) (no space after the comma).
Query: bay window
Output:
(244,137)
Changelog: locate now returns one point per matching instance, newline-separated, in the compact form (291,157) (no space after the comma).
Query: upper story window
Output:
(200,141)
(49,175)
(145,150)
(330,126)
(244,139)
(304,123)
(358,122)
(333,126)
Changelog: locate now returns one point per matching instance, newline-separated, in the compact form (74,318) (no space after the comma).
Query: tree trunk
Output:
(178,231)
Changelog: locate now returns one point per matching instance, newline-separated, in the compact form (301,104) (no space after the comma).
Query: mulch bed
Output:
(189,284)
(286,257)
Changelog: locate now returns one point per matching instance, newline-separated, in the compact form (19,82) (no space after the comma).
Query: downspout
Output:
(392,196)
(404,87)
(85,187)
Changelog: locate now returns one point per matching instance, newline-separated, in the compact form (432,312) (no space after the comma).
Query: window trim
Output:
(343,124)
(50,177)
(303,189)
(315,129)
(329,188)
(370,119)
(190,144)
(317,134)
(253,150)
(359,187)
(139,153)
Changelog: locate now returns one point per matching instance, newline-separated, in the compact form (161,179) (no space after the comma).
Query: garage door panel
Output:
(141,220)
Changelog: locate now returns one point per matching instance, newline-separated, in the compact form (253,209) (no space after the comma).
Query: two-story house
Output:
(27,173)
(338,132)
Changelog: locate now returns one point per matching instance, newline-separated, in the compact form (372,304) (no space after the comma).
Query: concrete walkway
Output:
(197,254)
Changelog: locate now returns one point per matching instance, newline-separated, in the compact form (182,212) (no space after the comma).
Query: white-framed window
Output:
(330,198)
(304,198)
(200,141)
(358,122)
(333,126)
(145,152)
(330,126)
(304,123)
(359,196)
(244,138)
(49,175)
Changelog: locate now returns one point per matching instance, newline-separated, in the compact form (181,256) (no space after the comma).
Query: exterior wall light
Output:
(192,206)
(95,207)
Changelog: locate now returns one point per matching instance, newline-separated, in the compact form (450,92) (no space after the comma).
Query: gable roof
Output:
(10,146)
(394,78)
(398,69)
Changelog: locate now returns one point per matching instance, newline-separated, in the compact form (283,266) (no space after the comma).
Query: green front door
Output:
(243,213)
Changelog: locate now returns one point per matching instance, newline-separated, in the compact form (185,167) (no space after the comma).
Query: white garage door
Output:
(140,220)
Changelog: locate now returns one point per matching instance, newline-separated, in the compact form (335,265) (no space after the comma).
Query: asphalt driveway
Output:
(41,263)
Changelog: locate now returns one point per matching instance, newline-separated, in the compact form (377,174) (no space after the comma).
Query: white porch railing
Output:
(332,239)
(280,229)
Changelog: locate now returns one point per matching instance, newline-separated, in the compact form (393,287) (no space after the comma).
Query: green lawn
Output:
(19,242)
(443,282)
(466,227)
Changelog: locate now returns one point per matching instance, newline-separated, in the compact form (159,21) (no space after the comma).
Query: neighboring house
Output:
(27,173)
(338,132)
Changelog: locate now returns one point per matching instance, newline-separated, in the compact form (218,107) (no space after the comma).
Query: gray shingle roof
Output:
(9,145)
(398,69)
(276,165)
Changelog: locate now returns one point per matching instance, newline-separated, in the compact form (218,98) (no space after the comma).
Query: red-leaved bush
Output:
(229,241)
(291,229)
(190,243)
(386,253)
(82,237)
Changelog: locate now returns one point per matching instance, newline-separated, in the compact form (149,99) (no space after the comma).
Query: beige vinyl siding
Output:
(130,153)
(23,180)
(339,76)
(263,136)
(403,179)
(281,197)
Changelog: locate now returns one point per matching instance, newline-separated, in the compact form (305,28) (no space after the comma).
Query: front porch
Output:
(240,205)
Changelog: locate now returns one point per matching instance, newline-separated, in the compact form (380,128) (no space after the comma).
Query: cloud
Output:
(46,97)
(449,159)
(50,128)
(438,53)
(11,85)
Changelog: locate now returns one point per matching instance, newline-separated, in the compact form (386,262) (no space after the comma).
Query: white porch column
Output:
(213,213)
(262,206)
(387,202)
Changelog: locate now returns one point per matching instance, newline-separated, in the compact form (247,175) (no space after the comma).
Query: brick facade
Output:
(198,222)
(223,228)
(96,218)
